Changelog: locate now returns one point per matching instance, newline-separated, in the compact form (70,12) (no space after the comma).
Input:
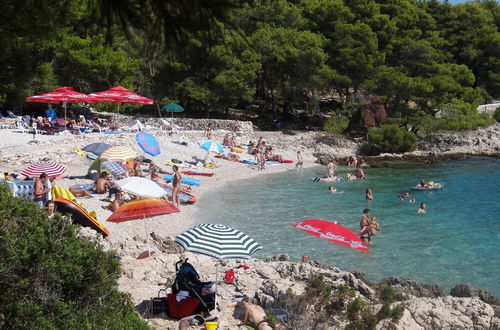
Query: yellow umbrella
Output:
(118,154)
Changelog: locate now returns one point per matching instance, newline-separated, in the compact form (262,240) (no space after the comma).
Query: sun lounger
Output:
(10,114)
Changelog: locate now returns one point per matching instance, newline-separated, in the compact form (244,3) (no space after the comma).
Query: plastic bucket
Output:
(210,325)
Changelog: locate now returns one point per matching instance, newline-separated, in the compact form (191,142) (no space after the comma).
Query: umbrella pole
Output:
(147,236)
(216,284)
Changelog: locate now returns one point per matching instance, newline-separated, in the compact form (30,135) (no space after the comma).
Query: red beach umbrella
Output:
(331,232)
(141,209)
(62,94)
(120,94)
(50,168)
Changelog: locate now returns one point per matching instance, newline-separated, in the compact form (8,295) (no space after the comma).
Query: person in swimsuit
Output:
(153,168)
(332,190)
(369,195)
(374,226)
(330,169)
(421,210)
(300,161)
(176,183)
(51,209)
(360,174)
(364,225)
(352,161)
(101,183)
(40,191)
(255,314)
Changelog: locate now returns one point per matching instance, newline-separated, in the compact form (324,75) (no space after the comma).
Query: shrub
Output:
(51,279)
(354,309)
(389,138)
(397,312)
(496,115)
(460,116)
(317,288)
(336,124)
(387,294)
(385,311)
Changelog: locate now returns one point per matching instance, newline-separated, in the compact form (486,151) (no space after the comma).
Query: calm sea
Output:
(457,241)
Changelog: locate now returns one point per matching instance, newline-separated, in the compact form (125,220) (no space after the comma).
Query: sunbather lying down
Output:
(254,314)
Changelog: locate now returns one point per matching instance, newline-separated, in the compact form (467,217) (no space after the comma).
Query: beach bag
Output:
(159,304)
(187,277)
(229,276)
(181,309)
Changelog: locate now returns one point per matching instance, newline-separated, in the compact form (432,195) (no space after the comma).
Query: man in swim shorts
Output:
(331,169)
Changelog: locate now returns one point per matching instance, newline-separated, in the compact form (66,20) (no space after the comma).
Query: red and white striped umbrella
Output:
(61,94)
(49,168)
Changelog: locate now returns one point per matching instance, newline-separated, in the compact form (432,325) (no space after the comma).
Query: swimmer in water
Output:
(404,196)
(369,195)
(421,210)
(332,190)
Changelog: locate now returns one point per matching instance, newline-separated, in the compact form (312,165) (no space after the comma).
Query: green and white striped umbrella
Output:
(218,241)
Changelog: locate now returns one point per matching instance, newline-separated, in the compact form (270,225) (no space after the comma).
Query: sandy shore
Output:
(140,277)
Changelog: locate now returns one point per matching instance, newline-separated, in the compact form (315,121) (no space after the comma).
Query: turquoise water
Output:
(457,241)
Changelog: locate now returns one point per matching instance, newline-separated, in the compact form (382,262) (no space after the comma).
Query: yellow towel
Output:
(58,192)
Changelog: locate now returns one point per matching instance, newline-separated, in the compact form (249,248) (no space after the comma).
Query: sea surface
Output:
(456,241)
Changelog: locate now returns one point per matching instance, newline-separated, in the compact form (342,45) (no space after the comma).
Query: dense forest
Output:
(403,59)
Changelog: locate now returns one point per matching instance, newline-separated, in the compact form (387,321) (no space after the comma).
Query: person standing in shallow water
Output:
(176,183)
(369,195)
(365,228)
(300,161)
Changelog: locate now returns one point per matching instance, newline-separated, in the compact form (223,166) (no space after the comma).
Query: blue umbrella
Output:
(210,145)
(97,148)
(148,143)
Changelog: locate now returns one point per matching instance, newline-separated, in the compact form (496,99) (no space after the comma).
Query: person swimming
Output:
(421,210)
(404,196)
(369,195)
(332,190)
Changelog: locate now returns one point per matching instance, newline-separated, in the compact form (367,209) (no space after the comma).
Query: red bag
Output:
(183,308)
(230,276)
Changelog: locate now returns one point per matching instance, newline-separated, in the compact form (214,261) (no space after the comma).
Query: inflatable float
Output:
(429,187)
(188,181)
(80,215)
(196,173)
(184,197)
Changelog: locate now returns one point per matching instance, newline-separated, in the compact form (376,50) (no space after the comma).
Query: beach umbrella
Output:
(172,107)
(115,168)
(141,209)
(49,168)
(148,143)
(118,153)
(62,94)
(141,187)
(80,215)
(331,232)
(210,145)
(219,242)
(120,94)
(97,148)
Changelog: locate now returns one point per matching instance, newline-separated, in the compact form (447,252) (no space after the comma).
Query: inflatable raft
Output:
(185,197)
(80,215)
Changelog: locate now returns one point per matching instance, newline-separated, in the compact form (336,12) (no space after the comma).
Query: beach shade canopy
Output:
(80,215)
(331,232)
(120,94)
(172,107)
(97,148)
(49,168)
(61,94)
(119,154)
(115,168)
(141,209)
(210,145)
(141,187)
(218,241)
(148,143)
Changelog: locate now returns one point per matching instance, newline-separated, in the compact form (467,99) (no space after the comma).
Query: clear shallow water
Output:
(457,241)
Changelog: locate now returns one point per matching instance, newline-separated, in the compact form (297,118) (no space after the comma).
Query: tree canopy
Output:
(417,56)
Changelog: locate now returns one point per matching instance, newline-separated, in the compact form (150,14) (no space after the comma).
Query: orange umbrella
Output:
(141,209)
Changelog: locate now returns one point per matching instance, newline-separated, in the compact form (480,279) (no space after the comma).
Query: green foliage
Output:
(397,312)
(496,115)
(271,318)
(460,116)
(385,311)
(354,309)
(336,124)
(317,288)
(387,294)
(391,139)
(49,278)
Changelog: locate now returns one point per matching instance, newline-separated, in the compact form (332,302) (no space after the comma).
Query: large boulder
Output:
(407,288)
